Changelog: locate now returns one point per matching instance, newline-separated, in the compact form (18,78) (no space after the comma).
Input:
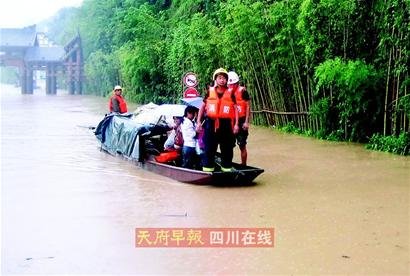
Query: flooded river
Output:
(69,208)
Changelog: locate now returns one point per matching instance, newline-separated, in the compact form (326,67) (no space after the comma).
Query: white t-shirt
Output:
(169,143)
(188,133)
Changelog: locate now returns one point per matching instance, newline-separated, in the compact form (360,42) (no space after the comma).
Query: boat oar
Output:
(89,127)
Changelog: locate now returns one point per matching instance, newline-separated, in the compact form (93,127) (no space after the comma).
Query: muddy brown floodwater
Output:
(69,208)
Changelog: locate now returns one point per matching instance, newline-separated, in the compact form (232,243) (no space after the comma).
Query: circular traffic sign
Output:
(191,92)
(190,79)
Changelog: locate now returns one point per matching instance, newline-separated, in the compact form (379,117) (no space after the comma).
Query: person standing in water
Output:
(244,110)
(117,103)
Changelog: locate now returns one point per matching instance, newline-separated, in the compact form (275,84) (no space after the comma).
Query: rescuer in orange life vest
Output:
(243,105)
(117,102)
(220,124)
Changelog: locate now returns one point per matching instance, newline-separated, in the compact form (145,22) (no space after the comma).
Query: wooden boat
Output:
(241,175)
(139,144)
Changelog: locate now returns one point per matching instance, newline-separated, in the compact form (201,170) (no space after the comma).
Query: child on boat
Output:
(189,156)
(175,140)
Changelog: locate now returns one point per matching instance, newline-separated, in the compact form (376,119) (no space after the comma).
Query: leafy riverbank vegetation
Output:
(395,144)
(391,143)
(336,69)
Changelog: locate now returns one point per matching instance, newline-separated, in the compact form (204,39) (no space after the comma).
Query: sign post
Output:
(190,81)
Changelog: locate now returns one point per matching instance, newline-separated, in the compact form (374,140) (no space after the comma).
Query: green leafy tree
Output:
(348,87)
(102,72)
(140,56)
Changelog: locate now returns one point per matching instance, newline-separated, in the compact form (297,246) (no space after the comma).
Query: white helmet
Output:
(232,77)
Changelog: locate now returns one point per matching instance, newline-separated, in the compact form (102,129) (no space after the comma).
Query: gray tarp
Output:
(124,134)
(120,134)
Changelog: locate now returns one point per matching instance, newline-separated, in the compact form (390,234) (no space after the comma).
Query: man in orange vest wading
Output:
(220,124)
(243,105)
(117,102)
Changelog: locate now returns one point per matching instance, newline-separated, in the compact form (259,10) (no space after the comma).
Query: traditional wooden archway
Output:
(74,65)
(23,48)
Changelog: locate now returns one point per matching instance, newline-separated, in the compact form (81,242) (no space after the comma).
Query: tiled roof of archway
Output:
(23,37)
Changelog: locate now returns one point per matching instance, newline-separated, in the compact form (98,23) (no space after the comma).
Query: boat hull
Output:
(240,176)
(140,143)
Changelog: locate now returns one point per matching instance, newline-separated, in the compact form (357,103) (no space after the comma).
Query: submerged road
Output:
(68,208)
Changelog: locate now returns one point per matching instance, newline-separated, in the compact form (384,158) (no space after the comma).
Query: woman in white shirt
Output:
(189,134)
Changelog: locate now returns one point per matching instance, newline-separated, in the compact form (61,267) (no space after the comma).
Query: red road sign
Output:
(191,92)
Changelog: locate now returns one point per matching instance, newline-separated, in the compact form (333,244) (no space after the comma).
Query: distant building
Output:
(28,50)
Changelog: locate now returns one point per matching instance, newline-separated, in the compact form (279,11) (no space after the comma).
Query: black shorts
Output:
(242,135)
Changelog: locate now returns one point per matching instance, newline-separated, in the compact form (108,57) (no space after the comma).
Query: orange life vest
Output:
(121,102)
(220,108)
(168,156)
(241,104)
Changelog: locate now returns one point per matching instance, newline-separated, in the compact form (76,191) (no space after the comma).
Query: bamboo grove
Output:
(333,68)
